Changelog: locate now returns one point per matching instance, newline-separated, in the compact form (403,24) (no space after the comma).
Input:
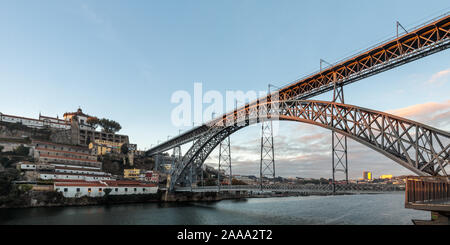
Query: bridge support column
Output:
(224,161)
(267,163)
(176,156)
(339,142)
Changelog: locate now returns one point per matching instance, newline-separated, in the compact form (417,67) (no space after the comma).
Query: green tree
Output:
(124,149)
(6,178)
(22,150)
(109,126)
(93,122)
(25,188)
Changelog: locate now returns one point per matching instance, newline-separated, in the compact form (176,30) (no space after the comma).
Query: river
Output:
(376,209)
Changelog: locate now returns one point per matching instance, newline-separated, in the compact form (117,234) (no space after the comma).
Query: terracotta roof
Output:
(72,180)
(79,112)
(82,184)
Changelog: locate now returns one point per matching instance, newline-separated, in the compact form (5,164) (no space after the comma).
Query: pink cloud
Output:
(440,77)
(435,114)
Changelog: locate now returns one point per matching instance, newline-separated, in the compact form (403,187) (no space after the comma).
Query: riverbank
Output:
(33,199)
(380,209)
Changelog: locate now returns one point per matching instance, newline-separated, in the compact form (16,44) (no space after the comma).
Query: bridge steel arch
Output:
(420,148)
(426,39)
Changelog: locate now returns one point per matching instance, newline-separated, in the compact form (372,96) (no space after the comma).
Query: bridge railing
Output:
(427,189)
(326,188)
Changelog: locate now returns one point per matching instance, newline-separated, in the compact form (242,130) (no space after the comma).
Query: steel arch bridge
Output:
(420,148)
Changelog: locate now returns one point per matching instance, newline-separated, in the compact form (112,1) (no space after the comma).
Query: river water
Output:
(376,209)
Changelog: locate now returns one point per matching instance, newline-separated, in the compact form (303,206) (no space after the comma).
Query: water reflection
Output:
(353,209)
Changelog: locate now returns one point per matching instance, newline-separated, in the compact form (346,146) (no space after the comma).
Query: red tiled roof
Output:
(81,184)
(79,112)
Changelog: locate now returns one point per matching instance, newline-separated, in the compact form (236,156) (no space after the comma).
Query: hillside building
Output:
(73,189)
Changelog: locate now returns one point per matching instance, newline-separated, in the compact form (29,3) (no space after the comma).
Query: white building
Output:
(97,189)
(36,123)
(67,176)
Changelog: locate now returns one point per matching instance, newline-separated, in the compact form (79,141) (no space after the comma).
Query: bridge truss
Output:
(417,147)
(422,149)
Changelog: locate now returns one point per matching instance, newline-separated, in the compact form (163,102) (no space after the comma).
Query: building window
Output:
(126,189)
(135,189)
(143,189)
(100,190)
(89,190)
(78,189)
(65,190)
(117,189)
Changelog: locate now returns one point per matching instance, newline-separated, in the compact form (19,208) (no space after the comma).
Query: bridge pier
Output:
(224,161)
(338,141)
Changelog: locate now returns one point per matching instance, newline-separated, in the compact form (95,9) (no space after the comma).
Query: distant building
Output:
(141,175)
(84,134)
(102,147)
(367,175)
(52,153)
(132,173)
(81,133)
(42,122)
(386,176)
(151,176)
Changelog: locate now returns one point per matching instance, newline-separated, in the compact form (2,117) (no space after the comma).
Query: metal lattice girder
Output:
(338,142)
(267,163)
(422,149)
(427,39)
(224,161)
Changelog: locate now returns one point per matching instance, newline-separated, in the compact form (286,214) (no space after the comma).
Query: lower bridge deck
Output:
(350,188)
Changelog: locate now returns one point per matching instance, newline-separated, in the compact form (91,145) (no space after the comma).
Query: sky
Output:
(123,60)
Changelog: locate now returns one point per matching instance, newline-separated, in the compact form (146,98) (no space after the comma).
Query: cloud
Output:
(440,77)
(305,150)
(435,114)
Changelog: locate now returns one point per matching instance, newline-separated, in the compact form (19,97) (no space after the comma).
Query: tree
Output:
(6,178)
(109,126)
(93,122)
(124,149)
(22,150)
